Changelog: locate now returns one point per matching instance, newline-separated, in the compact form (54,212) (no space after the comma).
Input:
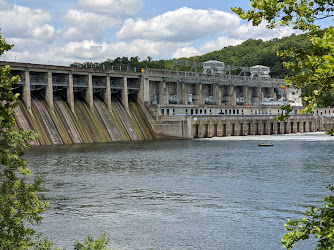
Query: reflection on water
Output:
(224,193)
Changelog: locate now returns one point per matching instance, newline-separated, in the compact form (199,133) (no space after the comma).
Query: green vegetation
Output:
(133,62)
(319,222)
(101,243)
(20,206)
(314,67)
(257,52)
(20,203)
(313,64)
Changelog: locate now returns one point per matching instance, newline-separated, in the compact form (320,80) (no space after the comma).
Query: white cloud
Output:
(182,25)
(23,22)
(114,7)
(44,32)
(88,34)
(90,50)
(186,52)
(218,44)
(245,32)
(209,46)
(86,26)
(4,5)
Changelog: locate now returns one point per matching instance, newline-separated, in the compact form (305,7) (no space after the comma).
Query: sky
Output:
(70,31)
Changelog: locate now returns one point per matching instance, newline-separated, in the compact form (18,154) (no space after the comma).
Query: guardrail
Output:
(87,65)
(33,61)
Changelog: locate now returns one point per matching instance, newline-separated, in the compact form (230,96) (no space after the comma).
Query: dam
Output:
(86,104)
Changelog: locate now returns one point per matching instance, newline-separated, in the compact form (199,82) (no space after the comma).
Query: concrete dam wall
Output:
(85,125)
(71,104)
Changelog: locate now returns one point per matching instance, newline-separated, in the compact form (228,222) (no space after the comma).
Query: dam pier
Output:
(76,104)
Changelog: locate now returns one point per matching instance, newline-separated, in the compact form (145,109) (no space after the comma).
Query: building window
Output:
(162,112)
(167,111)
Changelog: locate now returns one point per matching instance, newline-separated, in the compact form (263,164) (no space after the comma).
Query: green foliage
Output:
(257,52)
(101,243)
(285,114)
(314,67)
(20,206)
(313,64)
(318,222)
(44,244)
(133,62)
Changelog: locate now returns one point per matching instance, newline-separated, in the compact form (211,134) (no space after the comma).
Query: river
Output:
(220,193)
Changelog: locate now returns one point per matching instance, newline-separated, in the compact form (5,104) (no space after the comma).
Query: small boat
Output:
(265,144)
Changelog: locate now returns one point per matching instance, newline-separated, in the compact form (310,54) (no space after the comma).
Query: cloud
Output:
(245,32)
(90,50)
(209,46)
(113,7)
(241,34)
(186,52)
(4,5)
(86,26)
(219,43)
(23,22)
(181,25)
(88,34)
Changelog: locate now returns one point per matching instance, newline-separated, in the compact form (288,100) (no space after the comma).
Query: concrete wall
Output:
(197,99)
(219,126)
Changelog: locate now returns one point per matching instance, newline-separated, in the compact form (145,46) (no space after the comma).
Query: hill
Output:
(256,52)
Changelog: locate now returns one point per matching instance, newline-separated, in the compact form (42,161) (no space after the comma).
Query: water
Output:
(220,193)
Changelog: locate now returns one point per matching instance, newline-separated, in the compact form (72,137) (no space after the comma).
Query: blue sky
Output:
(87,30)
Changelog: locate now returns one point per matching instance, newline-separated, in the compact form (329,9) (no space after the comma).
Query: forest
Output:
(257,52)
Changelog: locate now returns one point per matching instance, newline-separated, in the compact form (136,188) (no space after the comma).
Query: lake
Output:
(219,193)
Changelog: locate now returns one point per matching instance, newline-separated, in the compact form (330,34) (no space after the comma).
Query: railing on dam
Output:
(86,65)
(167,75)
(244,117)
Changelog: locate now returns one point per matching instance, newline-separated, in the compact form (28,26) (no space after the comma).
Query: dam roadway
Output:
(172,104)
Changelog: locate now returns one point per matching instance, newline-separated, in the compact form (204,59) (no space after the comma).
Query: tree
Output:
(314,64)
(20,206)
(319,221)
(101,243)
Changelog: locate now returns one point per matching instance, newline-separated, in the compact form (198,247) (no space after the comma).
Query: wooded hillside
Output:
(257,52)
